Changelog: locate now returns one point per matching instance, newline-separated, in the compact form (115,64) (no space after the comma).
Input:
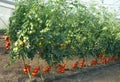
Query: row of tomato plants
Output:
(58,29)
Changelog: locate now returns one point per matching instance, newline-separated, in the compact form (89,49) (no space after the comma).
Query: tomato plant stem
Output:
(29,75)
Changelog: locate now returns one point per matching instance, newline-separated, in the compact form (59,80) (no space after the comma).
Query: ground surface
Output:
(99,73)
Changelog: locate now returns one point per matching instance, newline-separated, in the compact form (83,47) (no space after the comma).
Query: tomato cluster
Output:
(61,68)
(27,69)
(7,39)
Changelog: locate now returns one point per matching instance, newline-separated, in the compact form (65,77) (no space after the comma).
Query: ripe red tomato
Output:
(75,65)
(98,56)
(8,43)
(103,60)
(81,64)
(36,70)
(6,38)
(46,69)
(7,48)
(34,74)
(26,68)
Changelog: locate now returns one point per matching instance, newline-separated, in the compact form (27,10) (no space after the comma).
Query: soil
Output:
(98,73)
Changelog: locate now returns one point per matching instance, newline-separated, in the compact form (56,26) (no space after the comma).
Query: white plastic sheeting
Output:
(6,9)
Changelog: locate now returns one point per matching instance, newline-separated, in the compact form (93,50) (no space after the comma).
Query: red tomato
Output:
(98,56)
(46,69)
(8,43)
(82,63)
(26,68)
(75,65)
(7,48)
(6,38)
(36,70)
(34,74)
(103,61)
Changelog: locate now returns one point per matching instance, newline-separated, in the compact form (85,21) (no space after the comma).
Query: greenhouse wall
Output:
(6,9)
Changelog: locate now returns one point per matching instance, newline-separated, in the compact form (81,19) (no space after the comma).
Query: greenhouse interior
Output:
(59,40)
